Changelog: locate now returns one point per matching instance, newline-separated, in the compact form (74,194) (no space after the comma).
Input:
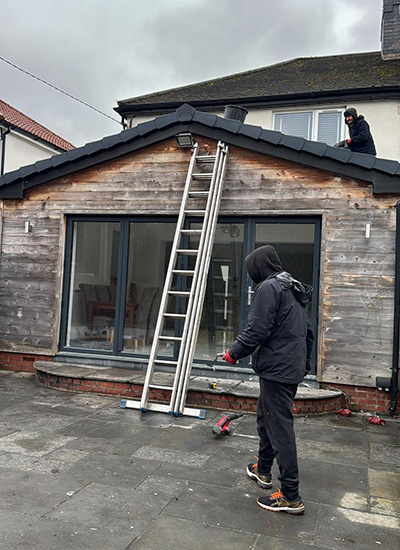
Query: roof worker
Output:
(360,140)
(280,338)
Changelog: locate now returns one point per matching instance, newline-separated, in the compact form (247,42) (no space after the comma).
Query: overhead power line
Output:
(59,90)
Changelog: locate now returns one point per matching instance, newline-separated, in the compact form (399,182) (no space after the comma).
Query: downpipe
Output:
(396,322)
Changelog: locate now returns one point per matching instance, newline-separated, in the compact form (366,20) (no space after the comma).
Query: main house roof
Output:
(305,79)
(383,174)
(19,121)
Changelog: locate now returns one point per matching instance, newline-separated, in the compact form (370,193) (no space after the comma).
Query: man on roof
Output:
(360,140)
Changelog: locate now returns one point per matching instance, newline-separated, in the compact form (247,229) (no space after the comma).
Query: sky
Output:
(102,51)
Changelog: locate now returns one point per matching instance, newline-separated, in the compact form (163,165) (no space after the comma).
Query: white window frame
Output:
(315,119)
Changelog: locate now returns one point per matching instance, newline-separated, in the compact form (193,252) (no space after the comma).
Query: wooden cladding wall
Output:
(357,273)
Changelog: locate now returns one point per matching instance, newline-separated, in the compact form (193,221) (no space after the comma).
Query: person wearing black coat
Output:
(280,339)
(360,140)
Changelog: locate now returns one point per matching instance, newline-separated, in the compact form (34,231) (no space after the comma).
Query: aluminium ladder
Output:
(194,297)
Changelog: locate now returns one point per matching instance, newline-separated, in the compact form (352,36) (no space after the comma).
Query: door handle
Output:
(249,293)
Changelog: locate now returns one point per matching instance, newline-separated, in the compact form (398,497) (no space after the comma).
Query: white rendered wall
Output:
(21,151)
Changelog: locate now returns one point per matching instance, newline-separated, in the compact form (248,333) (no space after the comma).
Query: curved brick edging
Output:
(331,401)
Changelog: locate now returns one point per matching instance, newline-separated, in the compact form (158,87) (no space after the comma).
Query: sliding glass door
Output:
(115,270)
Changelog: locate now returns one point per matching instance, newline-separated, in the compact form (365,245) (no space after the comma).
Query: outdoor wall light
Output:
(28,227)
(184,139)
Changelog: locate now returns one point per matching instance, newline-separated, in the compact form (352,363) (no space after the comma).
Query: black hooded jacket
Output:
(361,137)
(278,334)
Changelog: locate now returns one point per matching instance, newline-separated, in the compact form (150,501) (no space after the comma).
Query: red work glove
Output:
(228,358)
(348,141)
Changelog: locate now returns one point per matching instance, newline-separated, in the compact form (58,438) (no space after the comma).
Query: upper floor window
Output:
(325,126)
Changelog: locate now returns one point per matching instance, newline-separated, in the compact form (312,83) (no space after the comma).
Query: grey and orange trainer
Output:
(278,503)
(263,480)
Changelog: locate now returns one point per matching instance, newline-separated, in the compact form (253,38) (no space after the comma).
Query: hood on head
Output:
(262,263)
(351,111)
(301,291)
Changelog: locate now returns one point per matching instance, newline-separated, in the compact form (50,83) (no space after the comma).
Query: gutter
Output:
(396,323)
(346,96)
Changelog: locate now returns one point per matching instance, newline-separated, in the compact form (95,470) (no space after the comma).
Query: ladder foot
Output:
(122,405)
(143,409)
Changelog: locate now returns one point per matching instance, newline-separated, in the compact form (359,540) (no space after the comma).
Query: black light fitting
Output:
(185,139)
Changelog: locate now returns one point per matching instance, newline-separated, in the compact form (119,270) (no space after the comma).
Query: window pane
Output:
(294,124)
(329,126)
(294,243)
(94,261)
(220,318)
(150,246)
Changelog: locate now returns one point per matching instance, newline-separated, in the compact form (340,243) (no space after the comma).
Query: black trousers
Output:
(277,437)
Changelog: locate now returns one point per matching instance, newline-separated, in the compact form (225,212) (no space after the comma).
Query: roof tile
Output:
(387,166)
(24,122)
(315,148)
(292,142)
(303,75)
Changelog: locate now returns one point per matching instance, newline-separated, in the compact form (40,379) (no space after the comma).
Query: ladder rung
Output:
(175,315)
(204,176)
(187,251)
(157,387)
(173,338)
(188,272)
(178,293)
(191,231)
(195,212)
(206,158)
(200,194)
(164,362)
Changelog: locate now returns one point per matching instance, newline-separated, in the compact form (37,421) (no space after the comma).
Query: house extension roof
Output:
(18,120)
(345,77)
(383,174)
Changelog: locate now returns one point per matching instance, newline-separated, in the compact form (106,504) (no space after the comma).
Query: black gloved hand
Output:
(341,143)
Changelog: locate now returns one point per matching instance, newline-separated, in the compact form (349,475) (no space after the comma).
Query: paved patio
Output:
(77,472)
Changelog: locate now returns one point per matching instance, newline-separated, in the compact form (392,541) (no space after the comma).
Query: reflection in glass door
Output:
(149,251)
(93,285)
(294,243)
(220,319)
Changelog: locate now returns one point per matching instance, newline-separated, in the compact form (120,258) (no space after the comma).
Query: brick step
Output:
(235,395)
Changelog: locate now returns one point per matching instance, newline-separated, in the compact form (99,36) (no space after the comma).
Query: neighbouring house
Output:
(24,141)
(304,97)
(87,236)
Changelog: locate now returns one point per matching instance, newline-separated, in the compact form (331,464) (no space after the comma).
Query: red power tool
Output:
(222,428)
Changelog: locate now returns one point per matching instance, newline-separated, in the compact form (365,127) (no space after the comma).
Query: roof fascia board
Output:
(390,92)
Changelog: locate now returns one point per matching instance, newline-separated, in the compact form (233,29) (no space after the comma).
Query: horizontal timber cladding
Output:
(356,296)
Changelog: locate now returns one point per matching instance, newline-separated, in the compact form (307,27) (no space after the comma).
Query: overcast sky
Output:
(102,51)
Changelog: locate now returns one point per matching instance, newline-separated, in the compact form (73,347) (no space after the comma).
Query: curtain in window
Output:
(294,124)
(329,127)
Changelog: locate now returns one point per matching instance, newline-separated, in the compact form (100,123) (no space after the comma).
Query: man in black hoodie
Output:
(280,339)
(360,140)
